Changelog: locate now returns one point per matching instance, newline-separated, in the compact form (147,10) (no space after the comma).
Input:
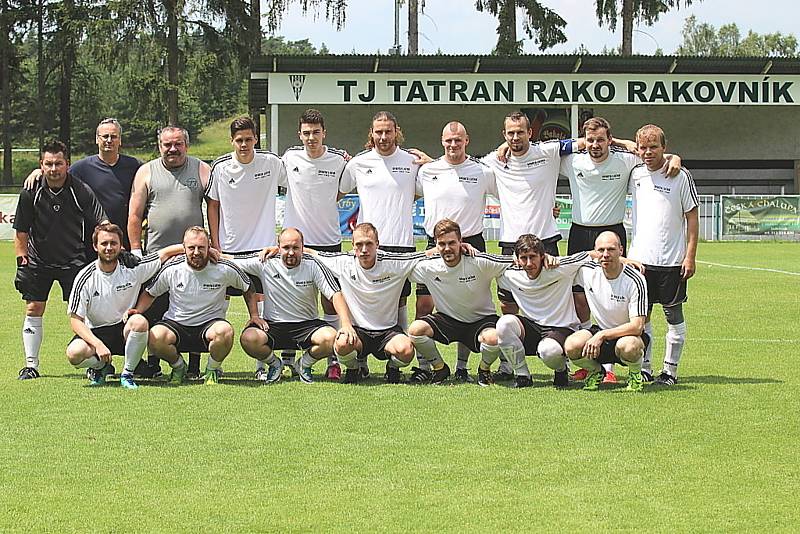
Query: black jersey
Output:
(59,223)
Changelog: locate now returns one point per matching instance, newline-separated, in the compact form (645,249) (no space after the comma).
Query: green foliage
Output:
(703,39)
(541,24)
(715,452)
(647,11)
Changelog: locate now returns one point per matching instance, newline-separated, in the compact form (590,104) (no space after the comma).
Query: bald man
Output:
(455,188)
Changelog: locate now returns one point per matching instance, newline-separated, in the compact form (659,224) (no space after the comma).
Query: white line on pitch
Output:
(792,273)
(745,340)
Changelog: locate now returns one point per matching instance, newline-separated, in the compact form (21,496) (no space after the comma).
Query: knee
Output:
(629,348)
(137,323)
(507,326)
(222,333)
(77,351)
(404,351)
(418,328)
(550,352)
(488,337)
(573,346)
(34,308)
(161,336)
(252,338)
(325,338)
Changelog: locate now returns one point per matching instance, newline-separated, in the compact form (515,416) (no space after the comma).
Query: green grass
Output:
(716,452)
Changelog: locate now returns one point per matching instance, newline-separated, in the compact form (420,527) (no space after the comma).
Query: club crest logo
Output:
(297,81)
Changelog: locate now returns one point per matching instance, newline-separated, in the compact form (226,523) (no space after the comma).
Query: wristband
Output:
(137,252)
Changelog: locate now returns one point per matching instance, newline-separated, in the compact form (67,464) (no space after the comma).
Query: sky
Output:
(455,27)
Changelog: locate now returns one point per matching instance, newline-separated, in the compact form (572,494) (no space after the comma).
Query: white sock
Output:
(307,360)
(427,347)
(32,334)
(590,365)
(178,364)
(135,346)
(675,338)
(634,367)
(333,320)
(489,353)
(424,364)
(395,362)
(212,364)
(463,356)
(608,367)
(92,362)
(512,351)
(288,358)
(349,360)
(260,364)
(402,318)
(647,364)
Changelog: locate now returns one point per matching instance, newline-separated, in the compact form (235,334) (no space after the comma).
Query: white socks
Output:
(135,346)
(32,335)
(427,347)
(551,354)
(675,338)
(92,362)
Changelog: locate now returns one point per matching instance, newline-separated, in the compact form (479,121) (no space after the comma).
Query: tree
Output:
(541,24)
(647,11)
(703,39)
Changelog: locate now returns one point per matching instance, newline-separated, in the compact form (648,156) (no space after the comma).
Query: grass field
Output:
(717,452)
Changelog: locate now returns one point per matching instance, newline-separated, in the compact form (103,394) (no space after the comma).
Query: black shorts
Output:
(157,309)
(534,333)
(582,238)
(447,330)
(34,282)
(112,336)
(190,338)
(388,248)
(476,241)
(507,249)
(255,285)
(665,286)
(290,336)
(374,341)
(608,350)
(326,248)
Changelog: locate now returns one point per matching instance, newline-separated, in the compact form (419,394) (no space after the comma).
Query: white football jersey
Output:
(598,190)
(613,302)
(196,297)
(456,192)
(290,295)
(103,298)
(526,187)
(372,294)
(463,292)
(659,221)
(547,299)
(246,194)
(386,190)
(311,195)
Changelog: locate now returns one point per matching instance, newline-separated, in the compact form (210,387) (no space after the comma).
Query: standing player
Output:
(454,187)
(617,296)
(461,289)
(547,311)
(371,283)
(665,234)
(53,235)
(241,197)
(169,191)
(103,293)
(195,320)
(291,285)
(385,175)
(314,172)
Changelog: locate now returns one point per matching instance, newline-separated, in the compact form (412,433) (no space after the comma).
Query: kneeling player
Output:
(371,283)
(617,296)
(102,294)
(546,311)
(291,285)
(195,320)
(461,290)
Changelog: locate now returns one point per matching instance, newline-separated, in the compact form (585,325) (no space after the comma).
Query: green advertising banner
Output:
(760,216)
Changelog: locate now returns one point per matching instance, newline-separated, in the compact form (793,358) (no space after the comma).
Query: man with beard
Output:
(195,320)
(98,307)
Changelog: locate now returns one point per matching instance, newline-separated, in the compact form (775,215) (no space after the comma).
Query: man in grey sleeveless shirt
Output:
(168,191)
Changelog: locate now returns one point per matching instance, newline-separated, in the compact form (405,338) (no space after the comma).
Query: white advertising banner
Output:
(8,207)
(532,89)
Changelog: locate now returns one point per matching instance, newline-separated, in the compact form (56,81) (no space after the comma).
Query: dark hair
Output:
(242,123)
(517,116)
(54,146)
(311,116)
(445,226)
(384,116)
(597,123)
(529,243)
(111,228)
